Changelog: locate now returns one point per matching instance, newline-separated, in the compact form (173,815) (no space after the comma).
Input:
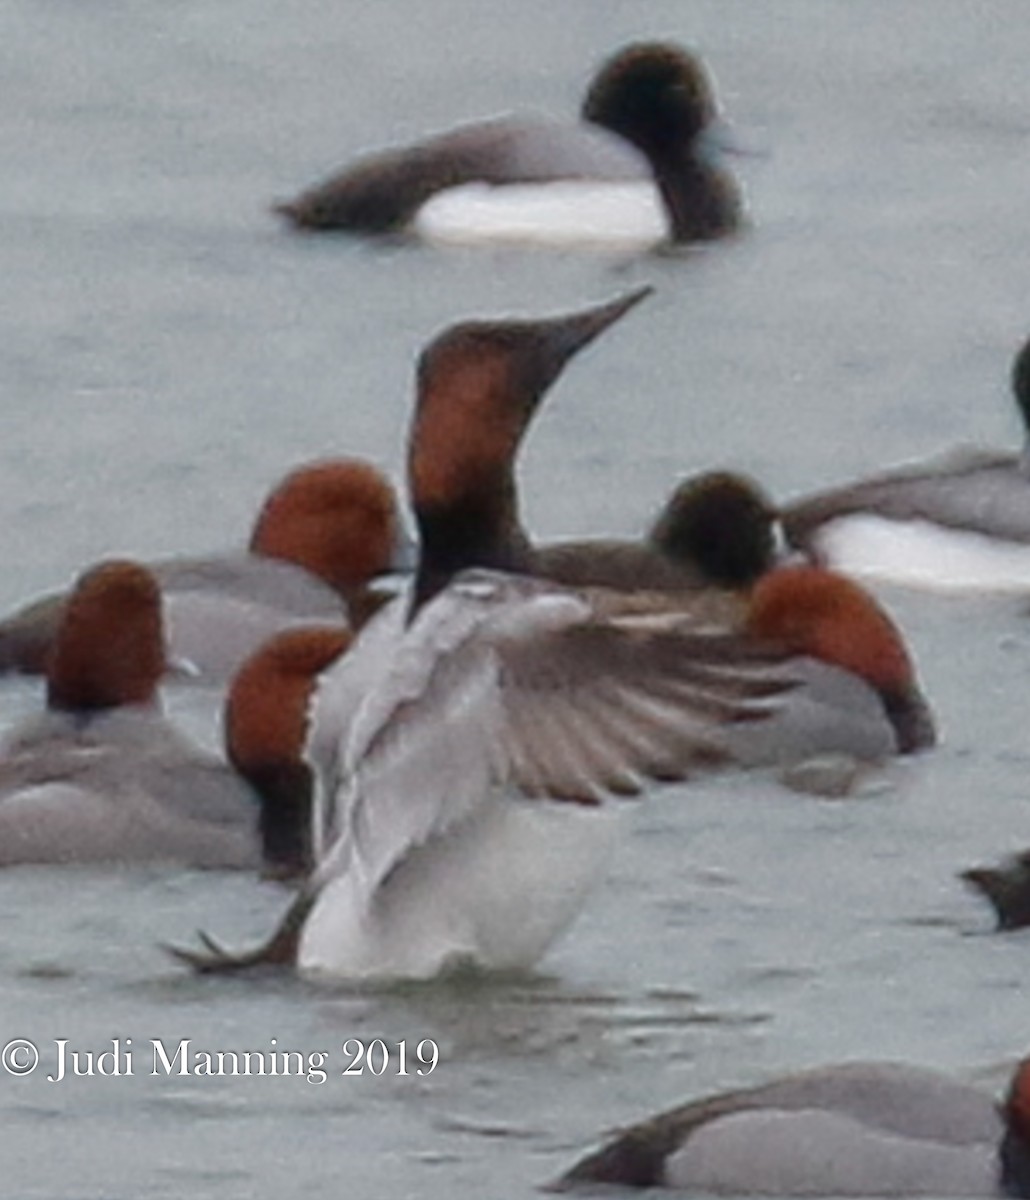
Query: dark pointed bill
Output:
(567,334)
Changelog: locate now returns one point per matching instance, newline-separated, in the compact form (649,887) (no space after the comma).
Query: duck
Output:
(266,726)
(470,746)
(101,775)
(715,532)
(847,1129)
(323,534)
(717,529)
(714,537)
(959,521)
(268,709)
(638,168)
(1006,888)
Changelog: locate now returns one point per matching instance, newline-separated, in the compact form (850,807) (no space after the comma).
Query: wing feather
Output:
(508,682)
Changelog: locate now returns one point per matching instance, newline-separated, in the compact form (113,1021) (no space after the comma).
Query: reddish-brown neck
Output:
(266,711)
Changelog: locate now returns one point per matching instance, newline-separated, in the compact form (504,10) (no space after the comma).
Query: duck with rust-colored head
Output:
(324,534)
(101,775)
(470,748)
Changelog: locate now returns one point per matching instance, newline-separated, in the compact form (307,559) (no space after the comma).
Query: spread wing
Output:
(509,684)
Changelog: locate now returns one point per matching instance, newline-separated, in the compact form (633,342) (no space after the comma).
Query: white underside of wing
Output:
(504,688)
(617,216)
(922,554)
(433,859)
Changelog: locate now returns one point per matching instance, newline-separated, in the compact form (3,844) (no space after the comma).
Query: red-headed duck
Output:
(636,169)
(714,531)
(101,776)
(959,521)
(857,1129)
(468,745)
(323,534)
(809,612)
(861,695)
(266,728)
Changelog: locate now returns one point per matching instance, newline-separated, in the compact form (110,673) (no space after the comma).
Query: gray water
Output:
(168,351)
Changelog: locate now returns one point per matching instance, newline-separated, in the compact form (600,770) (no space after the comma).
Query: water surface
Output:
(169,351)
